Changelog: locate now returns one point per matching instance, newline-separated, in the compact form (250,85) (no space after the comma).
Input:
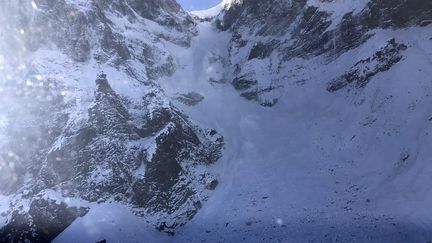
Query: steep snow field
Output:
(208,13)
(319,166)
(111,222)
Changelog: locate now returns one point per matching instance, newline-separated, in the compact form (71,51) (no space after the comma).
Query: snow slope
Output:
(208,13)
(310,168)
(113,223)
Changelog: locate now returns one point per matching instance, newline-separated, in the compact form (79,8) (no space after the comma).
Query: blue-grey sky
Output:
(198,4)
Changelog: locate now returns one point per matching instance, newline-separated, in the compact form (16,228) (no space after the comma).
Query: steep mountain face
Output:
(282,120)
(68,136)
(268,34)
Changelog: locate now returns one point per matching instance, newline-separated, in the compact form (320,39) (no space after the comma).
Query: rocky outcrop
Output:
(299,29)
(190,99)
(364,70)
(144,152)
(152,161)
(44,220)
(89,30)
(152,165)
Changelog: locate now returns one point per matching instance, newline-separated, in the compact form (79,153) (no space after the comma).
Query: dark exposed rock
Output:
(151,53)
(362,72)
(44,221)
(308,34)
(212,185)
(163,227)
(190,99)
(241,83)
(251,95)
(262,50)
(295,29)
(309,27)
(270,17)
(101,160)
(83,34)
(397,13)
(259,96)
(161,187)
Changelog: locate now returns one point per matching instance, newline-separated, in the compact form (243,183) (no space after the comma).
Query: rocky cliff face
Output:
(97,145)
(268,34)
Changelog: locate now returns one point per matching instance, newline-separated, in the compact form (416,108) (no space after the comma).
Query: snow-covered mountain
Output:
(255,121)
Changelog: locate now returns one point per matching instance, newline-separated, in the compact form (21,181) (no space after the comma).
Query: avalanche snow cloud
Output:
(254,121)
